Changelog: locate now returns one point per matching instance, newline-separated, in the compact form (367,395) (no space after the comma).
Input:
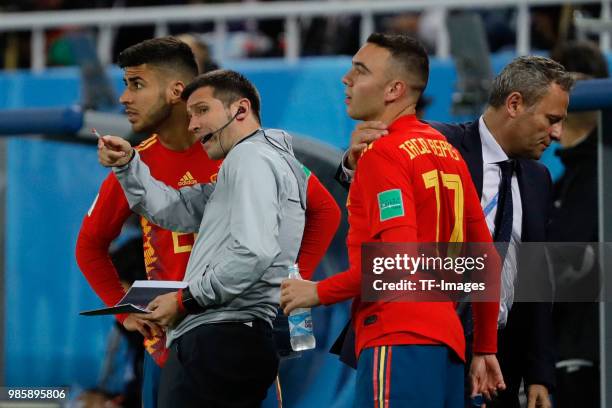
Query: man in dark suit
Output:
(526,108)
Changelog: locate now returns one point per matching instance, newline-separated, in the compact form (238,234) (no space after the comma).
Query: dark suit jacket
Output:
(526,344)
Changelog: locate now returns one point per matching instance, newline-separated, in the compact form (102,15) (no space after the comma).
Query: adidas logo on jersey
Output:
(187,180)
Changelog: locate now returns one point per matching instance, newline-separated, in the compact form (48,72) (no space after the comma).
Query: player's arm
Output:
(484,313)
(485,373)
(339,287)
(347,285)
(363,134)
(175,210)
(376,183)
(322,220)
(101,225)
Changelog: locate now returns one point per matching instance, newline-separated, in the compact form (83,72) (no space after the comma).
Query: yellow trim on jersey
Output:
(381,377)
(279,392)
(145,144)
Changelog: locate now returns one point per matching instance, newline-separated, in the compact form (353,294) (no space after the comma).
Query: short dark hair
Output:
(531,76)
(583,57)
(228,86)
(409,52)
(164,52)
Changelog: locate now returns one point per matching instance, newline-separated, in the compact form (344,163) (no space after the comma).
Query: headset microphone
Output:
(208,136)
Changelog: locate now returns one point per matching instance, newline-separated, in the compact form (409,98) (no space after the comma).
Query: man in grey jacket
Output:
(219,327)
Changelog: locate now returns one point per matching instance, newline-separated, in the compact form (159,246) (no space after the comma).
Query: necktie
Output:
(501,233)
(503,217)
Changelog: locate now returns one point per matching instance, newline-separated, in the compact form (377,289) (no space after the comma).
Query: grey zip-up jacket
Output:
(250,225)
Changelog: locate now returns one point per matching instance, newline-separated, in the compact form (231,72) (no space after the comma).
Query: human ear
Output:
(515,104)
(175,90)
(395,90)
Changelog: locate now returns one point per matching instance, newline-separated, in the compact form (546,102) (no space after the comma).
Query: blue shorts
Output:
(421,376)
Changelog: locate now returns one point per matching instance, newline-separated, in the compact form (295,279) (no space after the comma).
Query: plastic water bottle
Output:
(300,322)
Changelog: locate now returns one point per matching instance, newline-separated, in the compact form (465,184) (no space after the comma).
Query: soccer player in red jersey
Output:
(434,200)
(155,73)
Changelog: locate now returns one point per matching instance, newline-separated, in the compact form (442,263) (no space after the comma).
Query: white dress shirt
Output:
(491,178)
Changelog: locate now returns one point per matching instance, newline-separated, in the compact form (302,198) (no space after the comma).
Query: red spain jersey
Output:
(411,186)
(166,252)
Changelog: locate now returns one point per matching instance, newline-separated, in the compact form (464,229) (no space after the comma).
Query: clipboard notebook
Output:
(138,297)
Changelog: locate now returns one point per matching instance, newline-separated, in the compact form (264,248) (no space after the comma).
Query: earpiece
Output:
(240,110)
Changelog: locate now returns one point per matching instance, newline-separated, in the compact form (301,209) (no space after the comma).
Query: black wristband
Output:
(133,153)
(190,304)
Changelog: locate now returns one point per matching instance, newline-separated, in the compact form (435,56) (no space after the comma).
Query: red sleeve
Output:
(322,220)
(339,287)
(484,313)
(397,226)
(100,227)
(387,194)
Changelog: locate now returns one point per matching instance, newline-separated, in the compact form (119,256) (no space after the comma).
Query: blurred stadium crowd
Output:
(338,35)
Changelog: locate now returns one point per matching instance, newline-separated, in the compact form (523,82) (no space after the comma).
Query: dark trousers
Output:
(578,388)
(222,365)
(509,363)
(510,366)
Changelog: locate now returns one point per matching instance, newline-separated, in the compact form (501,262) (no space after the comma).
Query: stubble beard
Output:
(155,117)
